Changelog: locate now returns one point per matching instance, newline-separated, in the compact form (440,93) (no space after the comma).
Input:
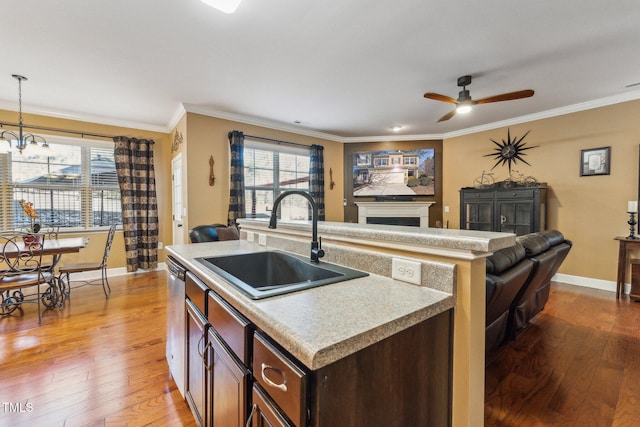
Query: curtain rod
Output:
(278,141)
(73,132)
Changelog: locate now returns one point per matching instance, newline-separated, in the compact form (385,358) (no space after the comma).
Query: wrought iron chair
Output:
(81,267)
(20,268)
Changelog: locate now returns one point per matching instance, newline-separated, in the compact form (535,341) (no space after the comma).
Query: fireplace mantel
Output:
(394,210)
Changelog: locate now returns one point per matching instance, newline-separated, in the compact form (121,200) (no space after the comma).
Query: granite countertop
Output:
(321,325)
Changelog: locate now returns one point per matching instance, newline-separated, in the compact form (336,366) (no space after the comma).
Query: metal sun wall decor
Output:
(510,151)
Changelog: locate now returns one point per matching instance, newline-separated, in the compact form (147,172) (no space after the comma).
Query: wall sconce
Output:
(212,177)
(331,183)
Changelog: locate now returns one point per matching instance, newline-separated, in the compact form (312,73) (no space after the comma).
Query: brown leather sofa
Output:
(518,280)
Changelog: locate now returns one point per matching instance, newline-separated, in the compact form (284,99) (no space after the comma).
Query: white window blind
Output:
(72,184)
(270,169)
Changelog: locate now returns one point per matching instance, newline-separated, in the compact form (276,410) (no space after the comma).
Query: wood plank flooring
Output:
(99,362)
(96,362)
(577,364)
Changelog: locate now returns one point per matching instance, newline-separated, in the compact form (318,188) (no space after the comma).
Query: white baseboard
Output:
(587,282)
(112,272)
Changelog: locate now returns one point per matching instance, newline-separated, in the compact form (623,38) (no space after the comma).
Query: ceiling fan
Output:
(464,101)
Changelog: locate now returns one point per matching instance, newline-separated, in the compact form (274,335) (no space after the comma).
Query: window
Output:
(72,184)
(269,170)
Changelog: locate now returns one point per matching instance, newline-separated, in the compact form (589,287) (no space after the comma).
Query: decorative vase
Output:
(31,239)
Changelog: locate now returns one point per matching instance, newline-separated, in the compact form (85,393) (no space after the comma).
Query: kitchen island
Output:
(376,334)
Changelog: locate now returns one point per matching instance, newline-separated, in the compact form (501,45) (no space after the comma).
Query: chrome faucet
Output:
(316,245)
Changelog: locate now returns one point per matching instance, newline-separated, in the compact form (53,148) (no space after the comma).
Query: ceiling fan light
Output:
(463,108)
(226,6)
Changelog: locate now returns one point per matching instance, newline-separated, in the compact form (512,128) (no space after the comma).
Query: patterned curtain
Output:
(316,178)
(134,165)
(236,178)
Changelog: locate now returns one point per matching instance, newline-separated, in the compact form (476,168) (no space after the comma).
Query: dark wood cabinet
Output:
(519,210)
(228,381)
(404,379)
(264,412)
(195,378)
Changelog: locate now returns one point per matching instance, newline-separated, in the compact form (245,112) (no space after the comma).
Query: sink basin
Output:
(271,273)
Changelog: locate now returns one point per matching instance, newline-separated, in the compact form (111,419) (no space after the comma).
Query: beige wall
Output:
(207,136)
(163,181)
(590,210)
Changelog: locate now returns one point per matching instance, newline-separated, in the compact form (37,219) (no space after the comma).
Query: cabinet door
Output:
(264,412)
(196,336)
(228,387)
(478,215)
(515,217)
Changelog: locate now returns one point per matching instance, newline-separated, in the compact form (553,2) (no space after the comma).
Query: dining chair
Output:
(20,268)
(80,267)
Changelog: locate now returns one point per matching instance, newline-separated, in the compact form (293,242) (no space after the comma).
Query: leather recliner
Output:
(204,233)
(507,271)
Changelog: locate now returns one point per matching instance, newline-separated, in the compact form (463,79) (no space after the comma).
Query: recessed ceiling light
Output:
(226,6)
(396,128)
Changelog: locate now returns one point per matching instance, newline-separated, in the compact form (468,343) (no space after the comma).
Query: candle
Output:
(632,206)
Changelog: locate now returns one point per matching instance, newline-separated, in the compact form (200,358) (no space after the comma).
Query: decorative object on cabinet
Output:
(485,180)
(177,141)
(510,151)
(595,161)
(632,209)
(394,173)
(518,209)
(212,177)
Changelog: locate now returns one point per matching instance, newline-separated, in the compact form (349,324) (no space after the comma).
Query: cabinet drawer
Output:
(231,326)
(469,197)
(196,291)
(281,379)
(516,194)
(264,411)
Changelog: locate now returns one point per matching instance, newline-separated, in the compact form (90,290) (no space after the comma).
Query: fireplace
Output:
(394,213)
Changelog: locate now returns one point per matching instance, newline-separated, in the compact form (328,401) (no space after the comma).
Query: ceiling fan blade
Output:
(506,97)
(447,116)
(438,97)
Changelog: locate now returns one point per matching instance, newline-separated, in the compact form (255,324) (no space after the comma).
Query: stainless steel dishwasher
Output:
(176,322)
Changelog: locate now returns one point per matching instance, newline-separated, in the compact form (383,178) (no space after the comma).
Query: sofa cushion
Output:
(534,243)
(554,237)
(504,259)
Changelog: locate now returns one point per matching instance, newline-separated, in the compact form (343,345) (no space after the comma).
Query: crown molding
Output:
(183,108)
(108,121)
(250,120)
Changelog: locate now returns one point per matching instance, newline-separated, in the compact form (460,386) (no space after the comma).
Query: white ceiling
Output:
(347,68)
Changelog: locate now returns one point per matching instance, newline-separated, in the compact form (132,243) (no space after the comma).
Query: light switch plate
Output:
(262,239)
(250,236)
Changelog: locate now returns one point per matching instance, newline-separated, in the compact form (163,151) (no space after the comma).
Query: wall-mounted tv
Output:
(405,173)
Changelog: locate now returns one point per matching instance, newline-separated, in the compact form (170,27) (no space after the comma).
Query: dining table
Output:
(56,248)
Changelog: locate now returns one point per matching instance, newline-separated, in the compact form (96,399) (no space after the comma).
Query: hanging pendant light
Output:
(226,6)
(21,138)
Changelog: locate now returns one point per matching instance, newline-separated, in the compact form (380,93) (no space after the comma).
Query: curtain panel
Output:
(136,177)
(236,178)
(316,178)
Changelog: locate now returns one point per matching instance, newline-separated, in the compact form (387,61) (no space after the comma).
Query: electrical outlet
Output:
(407,271)
(262,239)
(446,209)
(250,236)
(160,245)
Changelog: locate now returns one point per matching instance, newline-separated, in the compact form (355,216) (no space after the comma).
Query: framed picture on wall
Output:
(595,161)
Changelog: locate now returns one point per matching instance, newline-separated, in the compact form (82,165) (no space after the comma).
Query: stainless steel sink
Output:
(270,273)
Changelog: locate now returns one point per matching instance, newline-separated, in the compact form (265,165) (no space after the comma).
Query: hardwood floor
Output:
(100,362)
(96,362)
(577,364)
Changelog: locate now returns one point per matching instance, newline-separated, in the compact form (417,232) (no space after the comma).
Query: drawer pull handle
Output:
(282,386)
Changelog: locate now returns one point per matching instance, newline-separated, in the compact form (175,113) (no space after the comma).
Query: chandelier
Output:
(21,138)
